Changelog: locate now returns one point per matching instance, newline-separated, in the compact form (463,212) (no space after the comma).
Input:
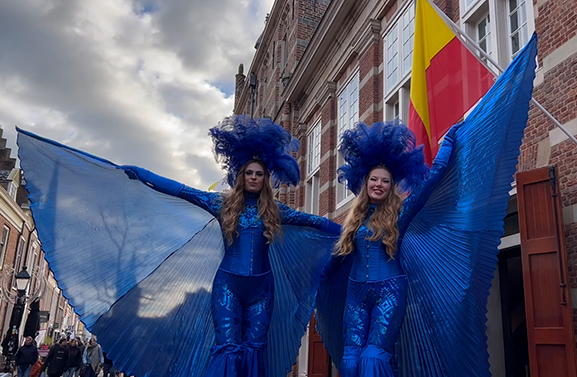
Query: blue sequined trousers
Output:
(374,313)
(241,310)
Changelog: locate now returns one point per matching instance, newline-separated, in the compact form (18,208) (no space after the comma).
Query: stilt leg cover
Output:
(375,362)
(350,363)
(237,360)
(226,361)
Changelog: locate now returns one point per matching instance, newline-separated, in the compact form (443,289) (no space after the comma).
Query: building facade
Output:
(321,66)
(20,247)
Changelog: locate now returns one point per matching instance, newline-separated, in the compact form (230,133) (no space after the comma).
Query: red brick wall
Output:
(328,166)
(555,24)
(371,93)
(299,24)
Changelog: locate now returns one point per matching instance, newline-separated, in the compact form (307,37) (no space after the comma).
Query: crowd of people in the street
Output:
(66,358)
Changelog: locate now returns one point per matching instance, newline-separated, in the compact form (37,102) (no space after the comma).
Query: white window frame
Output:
(484,38)
(397,95)
(313,193)
(32,260)
(398,49)
(314,148)
(499,29)
(348,116)
(467,5)
(392,65)
(522,29)
(12,189)
(397,103)
(4,244)
(348,104)
(407,39)
(32,257)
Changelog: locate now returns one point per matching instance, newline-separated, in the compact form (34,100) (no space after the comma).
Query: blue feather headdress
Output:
(389,144)
(240,139)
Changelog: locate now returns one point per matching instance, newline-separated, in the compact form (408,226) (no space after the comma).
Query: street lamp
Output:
(22,280)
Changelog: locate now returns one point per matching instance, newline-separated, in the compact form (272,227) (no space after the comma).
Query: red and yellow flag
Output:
(446,81)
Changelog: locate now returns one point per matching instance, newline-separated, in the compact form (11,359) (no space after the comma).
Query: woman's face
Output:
(379,185)
(253,177)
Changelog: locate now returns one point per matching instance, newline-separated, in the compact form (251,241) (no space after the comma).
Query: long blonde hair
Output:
(233,205)
(383,223)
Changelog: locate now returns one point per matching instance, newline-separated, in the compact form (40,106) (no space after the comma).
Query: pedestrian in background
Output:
(55,364)
(107,366)
(74,359)
(93,358)
(25,357)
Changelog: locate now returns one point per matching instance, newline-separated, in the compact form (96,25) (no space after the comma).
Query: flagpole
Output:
(472,43)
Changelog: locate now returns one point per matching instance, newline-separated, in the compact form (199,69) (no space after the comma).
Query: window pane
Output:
(483,34)
(349,105)
(517,25)
(482,28)
(408,37)
(514,22)
(515,43)
(392,57)
(310,146)
(483,45)
(342,111)
(354,101)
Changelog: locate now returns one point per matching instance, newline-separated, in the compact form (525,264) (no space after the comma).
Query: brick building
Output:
(320,66)
(20,247)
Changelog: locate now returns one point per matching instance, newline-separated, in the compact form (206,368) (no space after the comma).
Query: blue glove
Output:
(446,148)
(135,172)
(157,182)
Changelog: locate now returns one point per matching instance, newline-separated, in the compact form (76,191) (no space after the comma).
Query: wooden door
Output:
(544,258)
(319,362)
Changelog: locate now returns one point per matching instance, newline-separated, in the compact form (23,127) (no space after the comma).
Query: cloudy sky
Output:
(134,81)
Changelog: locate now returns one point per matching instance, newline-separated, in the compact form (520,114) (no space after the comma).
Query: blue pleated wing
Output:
(137,265)
(330,308)
(297,261)
(450,249)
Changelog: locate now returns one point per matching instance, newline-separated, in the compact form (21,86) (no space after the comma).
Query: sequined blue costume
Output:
(243,289)
(377,290)
(450,229)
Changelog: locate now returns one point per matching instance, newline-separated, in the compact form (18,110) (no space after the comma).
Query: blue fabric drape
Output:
(138,265)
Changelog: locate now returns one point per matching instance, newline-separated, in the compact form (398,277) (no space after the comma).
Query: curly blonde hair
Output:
(233,205)
(383,223)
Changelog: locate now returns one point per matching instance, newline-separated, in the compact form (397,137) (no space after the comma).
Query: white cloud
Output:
(130,81)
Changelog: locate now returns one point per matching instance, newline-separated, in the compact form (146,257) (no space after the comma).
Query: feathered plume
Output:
(389,144)
(240,139)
